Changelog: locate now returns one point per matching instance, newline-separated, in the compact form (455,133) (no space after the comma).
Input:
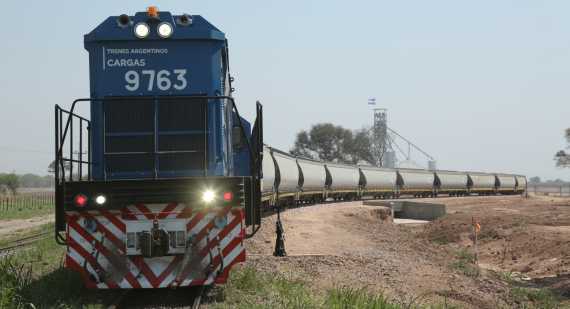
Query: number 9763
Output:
(163,80)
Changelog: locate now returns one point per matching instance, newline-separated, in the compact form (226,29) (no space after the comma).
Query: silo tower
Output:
(382,146)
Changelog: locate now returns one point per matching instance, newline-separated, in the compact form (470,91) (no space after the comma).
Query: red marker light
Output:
(80,200)
(228,196)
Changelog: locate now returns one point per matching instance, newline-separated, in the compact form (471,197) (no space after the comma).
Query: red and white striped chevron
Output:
(100,257)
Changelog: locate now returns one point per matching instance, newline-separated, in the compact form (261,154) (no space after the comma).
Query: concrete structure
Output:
(412,210)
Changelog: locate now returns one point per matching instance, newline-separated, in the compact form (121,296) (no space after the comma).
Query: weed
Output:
(507,276)
(534,298)
(346,297)
(466,256)
(249,288)
(35,278)
(465,263)
(14,278)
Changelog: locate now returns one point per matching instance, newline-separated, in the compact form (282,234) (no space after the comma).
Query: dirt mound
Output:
(350,244)
(527,236)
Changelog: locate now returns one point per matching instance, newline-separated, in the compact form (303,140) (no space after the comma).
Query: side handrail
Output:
(59,150)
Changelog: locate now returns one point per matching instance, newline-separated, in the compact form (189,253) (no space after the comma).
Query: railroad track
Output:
(21,243)
(191,297)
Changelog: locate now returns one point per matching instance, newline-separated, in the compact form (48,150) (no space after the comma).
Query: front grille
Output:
(146,136)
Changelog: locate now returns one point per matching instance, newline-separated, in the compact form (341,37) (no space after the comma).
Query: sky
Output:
(479,85)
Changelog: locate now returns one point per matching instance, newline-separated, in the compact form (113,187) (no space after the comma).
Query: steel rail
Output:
(14,245)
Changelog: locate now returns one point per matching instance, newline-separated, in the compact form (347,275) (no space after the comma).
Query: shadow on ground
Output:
(559,285)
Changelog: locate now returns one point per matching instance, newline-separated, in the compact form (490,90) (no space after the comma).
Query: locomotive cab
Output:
(163,171)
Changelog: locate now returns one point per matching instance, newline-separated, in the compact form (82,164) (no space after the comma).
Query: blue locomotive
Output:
(158,185)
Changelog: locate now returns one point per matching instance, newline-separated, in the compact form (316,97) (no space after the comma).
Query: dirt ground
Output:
(8,227)
(348,244)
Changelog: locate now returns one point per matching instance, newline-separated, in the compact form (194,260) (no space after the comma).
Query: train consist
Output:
(288,179)
(160,184)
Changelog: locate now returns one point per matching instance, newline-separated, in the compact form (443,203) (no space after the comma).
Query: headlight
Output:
(100,199)
(142,30)
(165,30)
(208,196)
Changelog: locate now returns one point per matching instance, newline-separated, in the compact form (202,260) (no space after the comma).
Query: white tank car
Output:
(507,183)
(288,173)
(379,179)
(343,177)
(451,181)
(482,182)
(521,183)
(313,174)
(416,181)
(268,181)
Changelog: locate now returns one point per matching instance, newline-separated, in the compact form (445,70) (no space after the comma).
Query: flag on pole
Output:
(371,101)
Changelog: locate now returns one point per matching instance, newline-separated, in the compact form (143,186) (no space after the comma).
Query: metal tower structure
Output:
(385,142)
(382,151)
(408,161)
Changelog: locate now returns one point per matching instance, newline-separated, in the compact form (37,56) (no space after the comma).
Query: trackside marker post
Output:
(476,229)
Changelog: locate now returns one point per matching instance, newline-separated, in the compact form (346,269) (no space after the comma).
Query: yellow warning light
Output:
(152,11)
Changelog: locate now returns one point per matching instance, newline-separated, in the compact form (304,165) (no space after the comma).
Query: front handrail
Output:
(64,132)
(59,150)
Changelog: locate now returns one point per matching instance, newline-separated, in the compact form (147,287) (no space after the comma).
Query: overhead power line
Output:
(22,150)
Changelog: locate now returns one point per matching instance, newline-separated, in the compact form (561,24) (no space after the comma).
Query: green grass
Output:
(24,283)
(507,277)
(530,298)
(22,212)
(249,288)
(465,263)
(534,298)
(35,278)
(341,298)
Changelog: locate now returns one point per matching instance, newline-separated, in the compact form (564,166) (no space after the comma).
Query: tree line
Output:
(10,182)
(538,180)
(332,143)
